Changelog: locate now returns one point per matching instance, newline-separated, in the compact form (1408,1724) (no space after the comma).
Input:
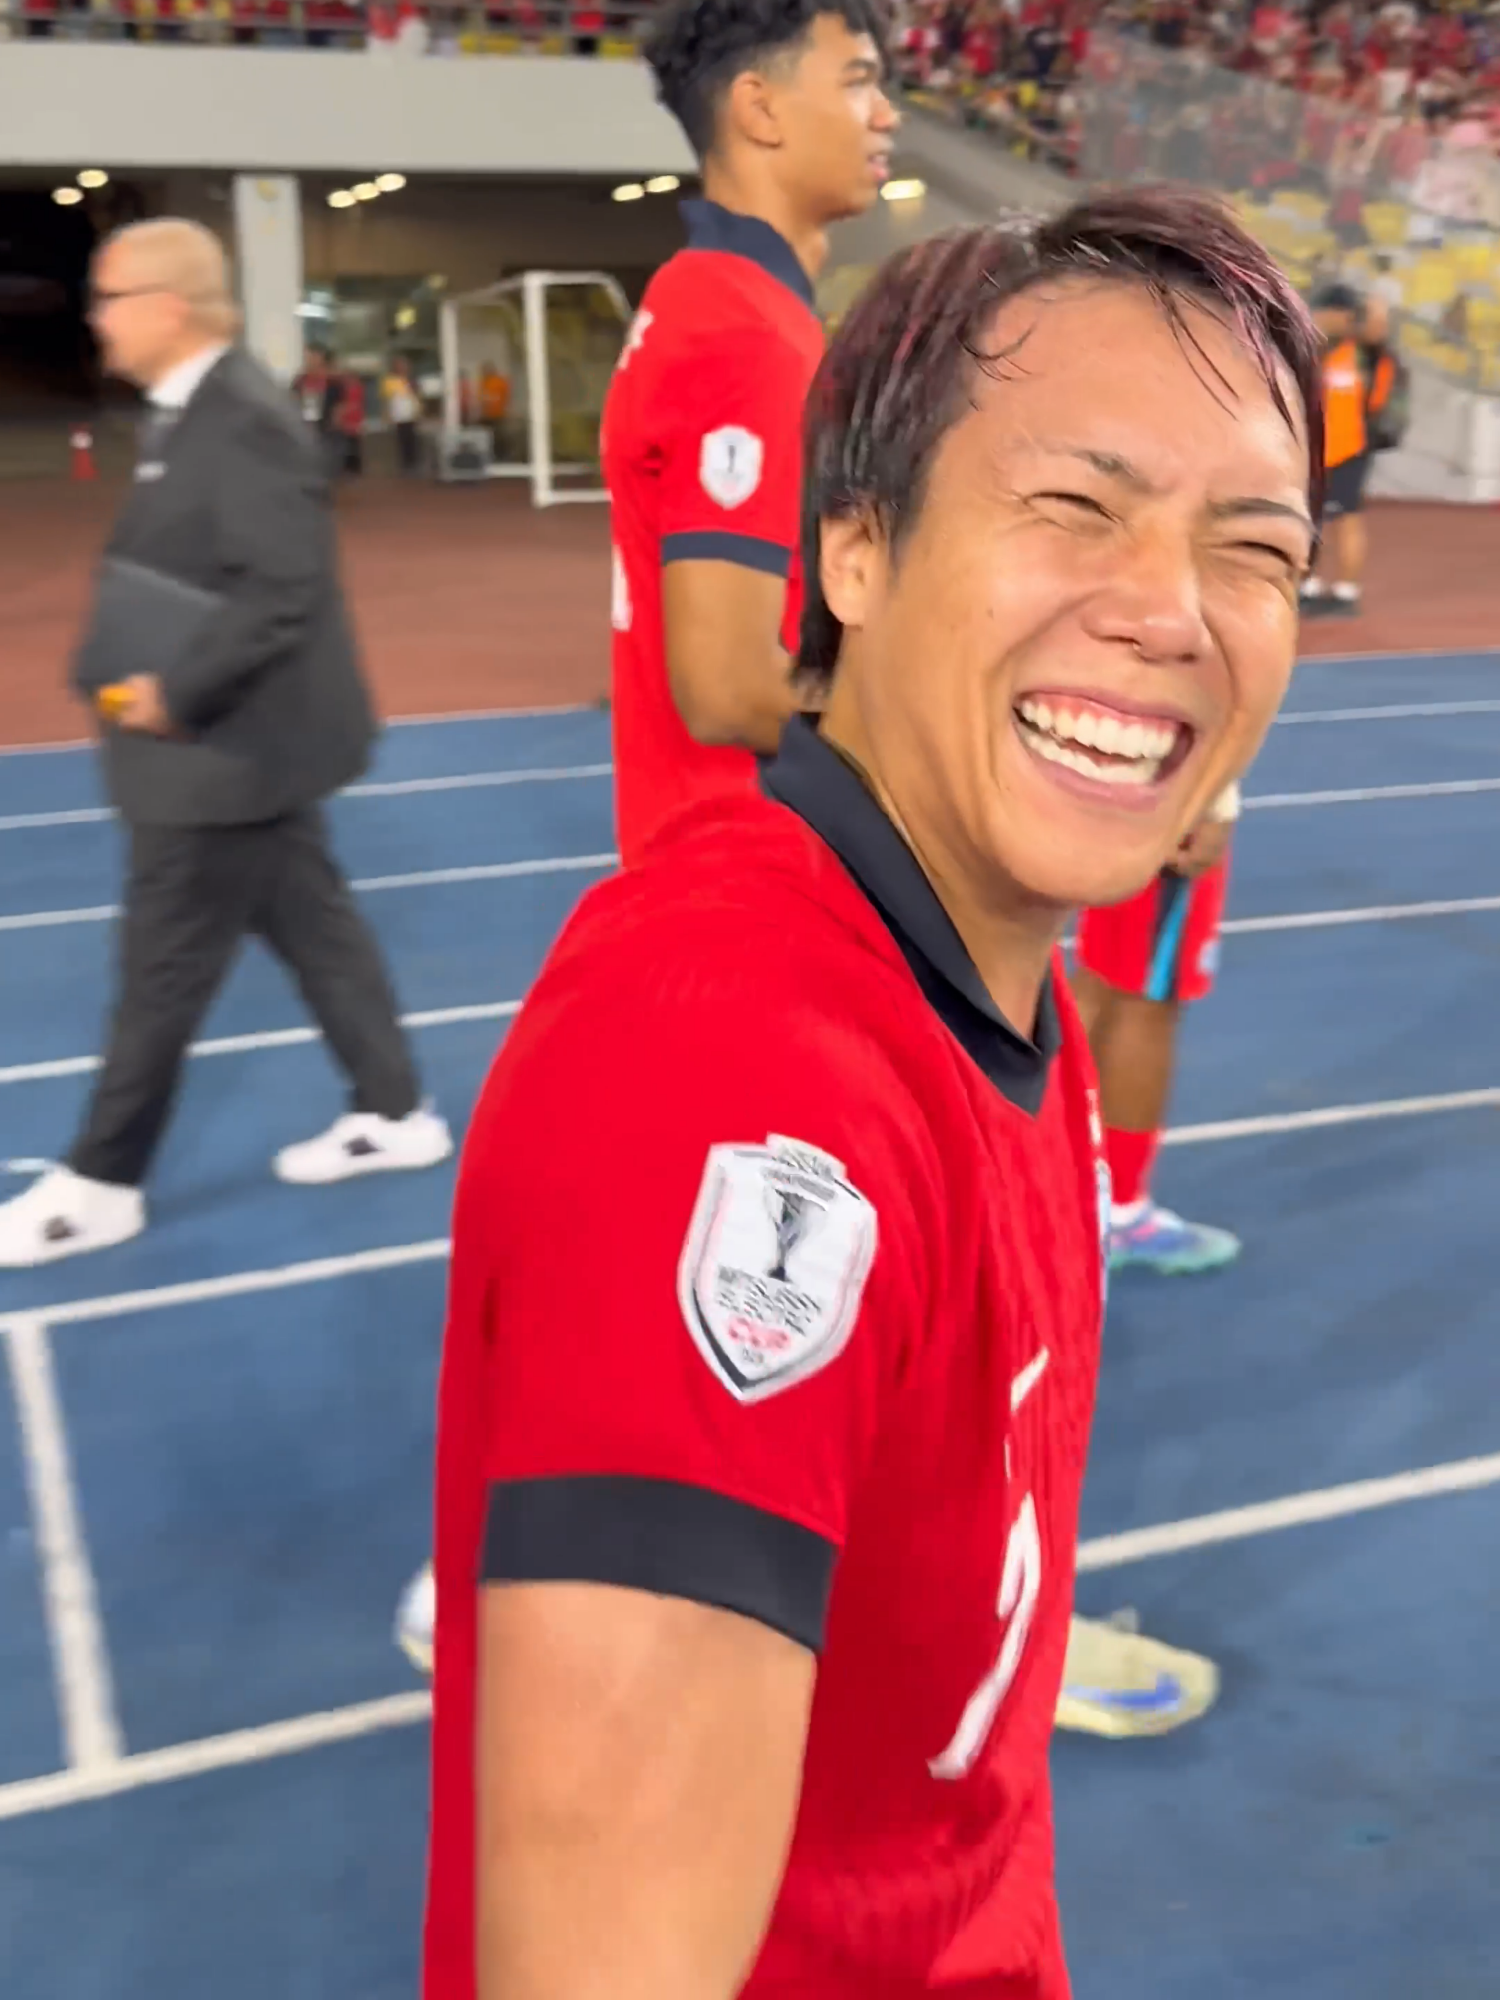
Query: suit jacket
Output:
(272,712)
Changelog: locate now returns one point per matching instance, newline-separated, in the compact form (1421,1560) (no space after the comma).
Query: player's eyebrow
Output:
(1251,504)
(1113,466)
(864,69)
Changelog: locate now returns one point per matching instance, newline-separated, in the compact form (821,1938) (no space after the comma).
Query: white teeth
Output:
(1142,772)
(1137,740)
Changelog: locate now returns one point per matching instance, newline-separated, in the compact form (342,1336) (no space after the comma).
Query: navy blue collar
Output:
(824,789)
(711,227)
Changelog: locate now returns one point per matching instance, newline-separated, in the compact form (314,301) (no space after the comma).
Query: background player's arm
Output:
(731,678)
(731,505)
(639,1763)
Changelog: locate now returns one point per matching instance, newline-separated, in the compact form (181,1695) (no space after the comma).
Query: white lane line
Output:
(92,1742)
(437,721)
(464,781)
(1371,913)
(375,788)
(267,1038)
(1296,1510)
(1401,711)
(77,816)
(1450,788)
(214,1753)
(1330,1115)
(40,920)
(75,743)
(21,1798)
(240,1284)
(497,1010)
(426,878)
(235,1284)
(473,781)
(1457,654)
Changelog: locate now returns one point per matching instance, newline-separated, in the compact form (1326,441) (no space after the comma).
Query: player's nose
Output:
(884,116)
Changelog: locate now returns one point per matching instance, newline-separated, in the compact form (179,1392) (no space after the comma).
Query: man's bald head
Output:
(161,294)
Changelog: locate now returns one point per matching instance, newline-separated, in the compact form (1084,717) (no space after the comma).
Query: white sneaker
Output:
(362,1143)
(64,1215)
(416,1618)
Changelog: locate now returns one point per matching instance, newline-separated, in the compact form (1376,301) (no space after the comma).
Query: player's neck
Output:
(743,194)
(1009,936)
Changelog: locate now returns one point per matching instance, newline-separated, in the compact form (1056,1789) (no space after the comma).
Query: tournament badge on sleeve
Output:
(774,1264)
(1118,1682)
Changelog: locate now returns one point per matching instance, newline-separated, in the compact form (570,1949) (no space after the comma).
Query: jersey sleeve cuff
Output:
(715,545)
(665,1537)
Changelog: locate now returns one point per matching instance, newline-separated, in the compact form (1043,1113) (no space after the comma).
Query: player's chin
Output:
(1094,837)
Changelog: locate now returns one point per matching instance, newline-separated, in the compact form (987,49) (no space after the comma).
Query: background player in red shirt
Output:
(1138,965)
(782,102)
(777,1280)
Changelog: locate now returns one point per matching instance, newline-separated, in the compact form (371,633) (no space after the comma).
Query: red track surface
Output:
(465,598)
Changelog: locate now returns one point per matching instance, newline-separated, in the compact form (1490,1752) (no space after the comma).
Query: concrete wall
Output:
(133,107)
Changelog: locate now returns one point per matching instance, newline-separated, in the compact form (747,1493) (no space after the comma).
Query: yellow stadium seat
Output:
(1385,223)
(1475,262)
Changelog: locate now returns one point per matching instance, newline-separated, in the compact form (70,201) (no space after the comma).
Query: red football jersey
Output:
(1162,944)
(702,446)
(765,1294)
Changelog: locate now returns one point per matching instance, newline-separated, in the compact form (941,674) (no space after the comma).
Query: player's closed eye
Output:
(1079,503)
(1289,562)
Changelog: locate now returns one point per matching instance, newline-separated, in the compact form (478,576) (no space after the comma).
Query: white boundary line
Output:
(436,721)
(1449,788)
(386,722)
(1395,659)
(20,1799)
(1399,711)
(1330,1115)
(194,1291)
(80,1654)
(52,1068)
(1372,913)
(268,1038)
(380,788)
(426,878)
(1296,1510)
(562,774)
(235,1284)
(213,1753)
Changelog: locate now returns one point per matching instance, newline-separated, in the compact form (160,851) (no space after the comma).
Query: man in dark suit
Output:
(219,761)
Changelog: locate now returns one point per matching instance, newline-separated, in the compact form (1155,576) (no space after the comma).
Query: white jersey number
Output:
(1020,1588)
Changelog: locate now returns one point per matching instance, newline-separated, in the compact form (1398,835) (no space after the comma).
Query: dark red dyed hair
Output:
(897,375)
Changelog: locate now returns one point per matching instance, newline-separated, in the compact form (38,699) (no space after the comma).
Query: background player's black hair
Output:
(897,376)
(696,48)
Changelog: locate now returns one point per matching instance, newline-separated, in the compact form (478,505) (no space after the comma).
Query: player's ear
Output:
(751,110)
(851,560)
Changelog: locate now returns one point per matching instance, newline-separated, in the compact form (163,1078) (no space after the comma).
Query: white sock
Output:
(1315,587)
(1132,1213)
(1346,593)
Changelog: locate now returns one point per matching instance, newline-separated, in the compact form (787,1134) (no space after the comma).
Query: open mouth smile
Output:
(1109,749)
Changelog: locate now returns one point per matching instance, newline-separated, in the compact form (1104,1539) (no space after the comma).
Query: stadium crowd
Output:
(1420,73)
